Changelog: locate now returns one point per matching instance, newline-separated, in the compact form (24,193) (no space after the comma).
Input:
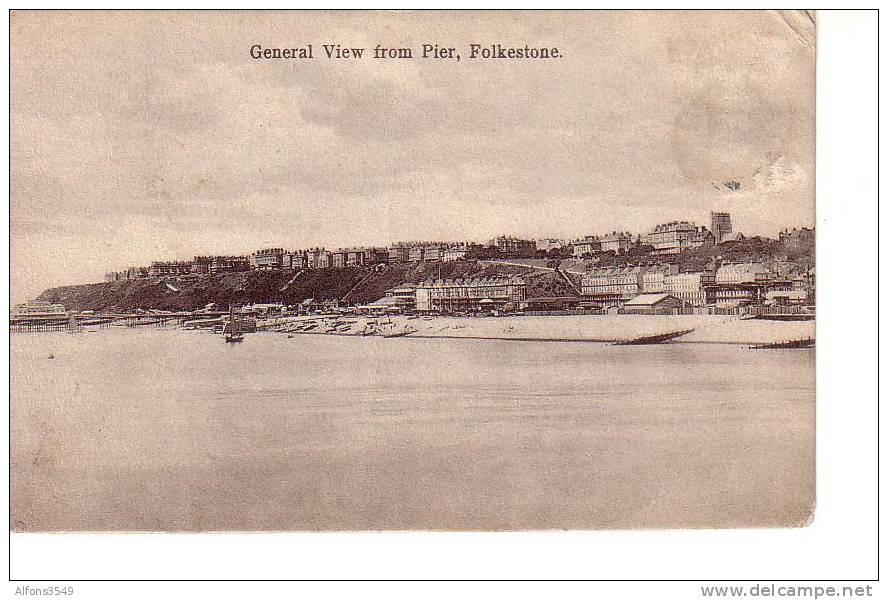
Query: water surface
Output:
(164,429)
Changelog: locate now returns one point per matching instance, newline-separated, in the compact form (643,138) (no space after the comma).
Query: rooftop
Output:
(647,299)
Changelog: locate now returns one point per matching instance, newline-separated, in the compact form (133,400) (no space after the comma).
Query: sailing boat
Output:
(232,333)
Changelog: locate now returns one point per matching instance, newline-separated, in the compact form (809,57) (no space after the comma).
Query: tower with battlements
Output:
(720,225)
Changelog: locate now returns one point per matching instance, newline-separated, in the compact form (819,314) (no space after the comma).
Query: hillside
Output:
(350,285)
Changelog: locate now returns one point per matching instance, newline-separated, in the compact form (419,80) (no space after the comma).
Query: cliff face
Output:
(350,285)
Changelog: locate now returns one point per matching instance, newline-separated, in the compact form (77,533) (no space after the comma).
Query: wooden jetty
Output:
(787,345)
(653,339)
(784,317)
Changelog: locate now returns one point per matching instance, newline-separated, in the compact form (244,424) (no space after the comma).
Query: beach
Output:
(591,328)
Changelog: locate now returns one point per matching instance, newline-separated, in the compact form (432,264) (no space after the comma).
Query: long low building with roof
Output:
(653,304)
(470,294)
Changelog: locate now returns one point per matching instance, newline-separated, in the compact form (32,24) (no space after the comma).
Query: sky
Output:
(155,136)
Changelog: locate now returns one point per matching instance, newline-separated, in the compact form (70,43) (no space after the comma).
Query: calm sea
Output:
(164,429)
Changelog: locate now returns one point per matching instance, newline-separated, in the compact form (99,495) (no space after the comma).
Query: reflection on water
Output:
(176,430)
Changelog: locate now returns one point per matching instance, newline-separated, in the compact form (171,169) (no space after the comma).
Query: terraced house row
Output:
(666,238)
(727,285)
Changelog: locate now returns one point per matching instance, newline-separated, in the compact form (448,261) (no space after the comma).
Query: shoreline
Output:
(603,329)
(706,329)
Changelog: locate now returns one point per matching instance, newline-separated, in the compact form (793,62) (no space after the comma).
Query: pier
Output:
(39,323)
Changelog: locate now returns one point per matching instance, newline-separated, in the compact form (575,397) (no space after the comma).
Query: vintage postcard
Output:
(382,270)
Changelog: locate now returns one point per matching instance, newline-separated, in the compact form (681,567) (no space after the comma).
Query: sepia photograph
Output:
(386,271)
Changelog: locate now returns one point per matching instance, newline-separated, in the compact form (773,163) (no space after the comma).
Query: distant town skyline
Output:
(127,149)
(332,247)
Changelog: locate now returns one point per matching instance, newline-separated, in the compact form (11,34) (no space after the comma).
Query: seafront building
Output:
(743,273)
(398,299)
(612,284)
(690,288)
(470,295)
(653,280)
(742,283)
(730,285)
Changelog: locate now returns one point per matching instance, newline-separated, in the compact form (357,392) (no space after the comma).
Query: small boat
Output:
(803,343)
(653,339)
(233,334)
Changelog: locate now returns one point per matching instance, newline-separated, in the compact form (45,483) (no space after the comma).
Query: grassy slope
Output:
(353,285)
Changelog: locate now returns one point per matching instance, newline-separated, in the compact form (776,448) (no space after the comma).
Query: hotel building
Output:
(616,241)
(675,237)
(229,264)
(588,245)
(267,259)
(613,284)
(470,295)
(689,287)
(507,244)
(171,268)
